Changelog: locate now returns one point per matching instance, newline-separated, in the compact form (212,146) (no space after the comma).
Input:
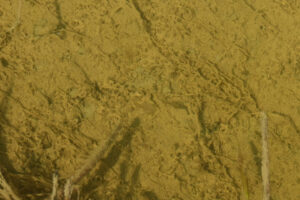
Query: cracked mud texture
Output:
(196,73)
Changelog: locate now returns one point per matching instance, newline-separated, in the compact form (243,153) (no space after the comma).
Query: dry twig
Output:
(54,186)
(18,20)
(65,193)
(265,157)
(6,191)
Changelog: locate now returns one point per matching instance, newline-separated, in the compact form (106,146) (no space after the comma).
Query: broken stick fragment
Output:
(265,157)
(6,191)
(65,193)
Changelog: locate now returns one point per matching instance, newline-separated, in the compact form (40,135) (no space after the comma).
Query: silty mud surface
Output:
(195,73)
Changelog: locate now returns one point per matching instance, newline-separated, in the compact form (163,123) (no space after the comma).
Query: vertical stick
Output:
(54,186)
(19,12)
(265,157)
(18,20)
